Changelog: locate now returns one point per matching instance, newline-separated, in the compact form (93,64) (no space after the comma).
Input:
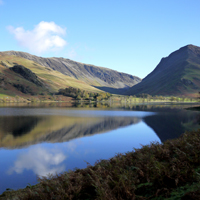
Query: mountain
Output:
(99,77)
(178,74)
(22,77)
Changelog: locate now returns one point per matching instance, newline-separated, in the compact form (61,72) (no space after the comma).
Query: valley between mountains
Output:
(25,76)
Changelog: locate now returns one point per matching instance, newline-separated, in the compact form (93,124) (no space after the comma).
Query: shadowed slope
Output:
(178,74)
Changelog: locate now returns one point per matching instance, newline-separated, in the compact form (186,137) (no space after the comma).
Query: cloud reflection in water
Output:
(40,160)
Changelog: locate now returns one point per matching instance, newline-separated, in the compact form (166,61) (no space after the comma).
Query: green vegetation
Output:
(156,171)
(146,98)
(79,94)
(33,98)
(75,94)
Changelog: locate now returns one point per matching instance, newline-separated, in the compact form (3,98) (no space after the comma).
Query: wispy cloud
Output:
(76,52)
(1,2)
(46,36)
(72,54)
(40,160)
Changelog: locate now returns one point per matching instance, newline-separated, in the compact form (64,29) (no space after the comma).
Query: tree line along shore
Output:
(74,94)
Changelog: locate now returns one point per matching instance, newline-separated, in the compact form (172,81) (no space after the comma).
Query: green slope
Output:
(11,83)
(178,74)
(100,77)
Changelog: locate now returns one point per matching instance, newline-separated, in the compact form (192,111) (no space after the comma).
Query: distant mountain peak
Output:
(191,49)
(189,46)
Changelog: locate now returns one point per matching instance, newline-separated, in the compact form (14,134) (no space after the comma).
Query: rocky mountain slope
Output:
(102,78)
(178,74)
(22,77)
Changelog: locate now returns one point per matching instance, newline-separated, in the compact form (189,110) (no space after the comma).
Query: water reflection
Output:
(170,123)
(40,160)
(38,141)
(60,125)
(21,131)
(17,126)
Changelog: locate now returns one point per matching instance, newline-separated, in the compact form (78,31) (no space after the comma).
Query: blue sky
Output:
(125,35)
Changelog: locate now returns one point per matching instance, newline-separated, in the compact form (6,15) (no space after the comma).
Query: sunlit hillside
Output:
(11,83)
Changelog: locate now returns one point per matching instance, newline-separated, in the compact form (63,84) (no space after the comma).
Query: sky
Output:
(129,36)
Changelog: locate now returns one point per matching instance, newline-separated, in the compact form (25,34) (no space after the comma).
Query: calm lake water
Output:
(44,139)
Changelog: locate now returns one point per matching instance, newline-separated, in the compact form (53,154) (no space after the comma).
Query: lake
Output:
(37,140)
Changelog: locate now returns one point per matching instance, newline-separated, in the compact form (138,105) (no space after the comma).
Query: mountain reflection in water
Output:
(18,130)
(39,141)
(21,131)
(170,123)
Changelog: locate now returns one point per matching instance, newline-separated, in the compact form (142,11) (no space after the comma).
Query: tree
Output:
(78,97)
(87,96)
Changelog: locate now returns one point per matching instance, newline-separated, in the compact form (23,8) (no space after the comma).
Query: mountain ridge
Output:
(99,77)
(177,74)
(26,78)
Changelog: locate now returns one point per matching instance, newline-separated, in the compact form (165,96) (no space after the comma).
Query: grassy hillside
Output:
(52,81)
(103,78)
(178,75)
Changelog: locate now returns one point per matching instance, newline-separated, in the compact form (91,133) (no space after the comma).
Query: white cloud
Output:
(1,2)
(44,37)
(40,161)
